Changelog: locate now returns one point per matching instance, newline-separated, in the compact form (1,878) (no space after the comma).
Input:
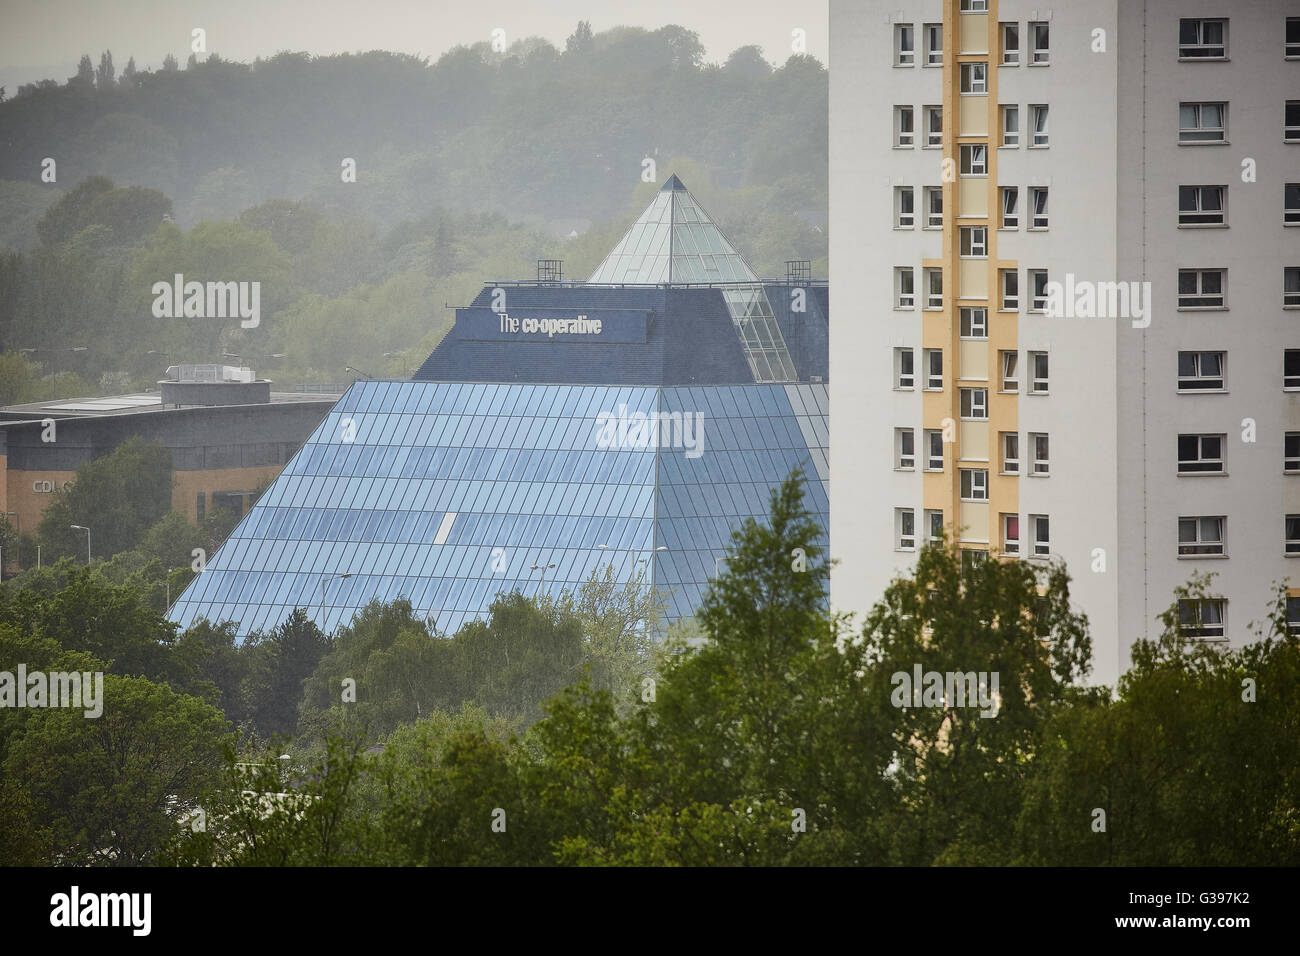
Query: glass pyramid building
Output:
(633,419)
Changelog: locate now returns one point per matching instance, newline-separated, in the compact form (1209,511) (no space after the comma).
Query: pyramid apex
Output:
(673,183)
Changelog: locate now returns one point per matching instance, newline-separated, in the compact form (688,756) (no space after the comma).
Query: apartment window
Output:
(1037,289)
(934,368)
(1202,39)
(1038,366)
(1010,372)
(934,288)
(1200,454)
(1291,122)
(933,449)
(1291,368)
(975,484)
(904,130)
(1040,526)
(1039,45)
(974,6)
(1011,534)
(1293,615)
(1291,204)
(974,161)
(904,370)
(904,449)
(1038,119)
(934,44)
(1293,534)
(1038,202)
(933,207)
(1010,453)
(1291,453)
(1010,209)
(1200,537)
(974,242)
(1200,371)
(1292,48)
(1291,287)
(975,404)
(1202,123)
(1041,460)
(1009,290)
(1201,617)
(904,207)
(1201,205)
(1010,125)
(933,527)
(904,44)
(974,79)
(933,117)
(1010,44)
(905,528)
(905,288)
(1201,288)
(974,323)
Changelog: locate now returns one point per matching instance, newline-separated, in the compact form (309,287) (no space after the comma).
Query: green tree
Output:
(103,787)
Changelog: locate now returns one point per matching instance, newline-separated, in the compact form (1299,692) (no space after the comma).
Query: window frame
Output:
(1010,56)
(929,435)
(1039,55)
(1039,140)
(1186,382)
(1291,131)
(1037,301)
(976,479)
(904,356)
(1193,135)
(1198,628)
(1291,298)
(1034,378)
(928,356)
(904,58)
(1202,464)
(1291,455)
(1186,51)
(1010,545)
(901,535)
(966,240)
(1198,217)
(967,78)
(968,167)
(927,30)
(1009,195)
(926,113)
(904,139)
(1008,139)
(1039,222)
(1201,546)
(1039,440)
(1014,377)
(904,219)
(1192,301)
(928,273)
(973,403)
(1040,545)
(904,300)
(1009,453)
(929,193)
(967,319)
(902,438)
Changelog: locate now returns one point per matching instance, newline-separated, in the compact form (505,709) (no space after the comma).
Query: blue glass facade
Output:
(448,493)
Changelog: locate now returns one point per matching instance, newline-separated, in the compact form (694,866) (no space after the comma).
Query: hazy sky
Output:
(45,38)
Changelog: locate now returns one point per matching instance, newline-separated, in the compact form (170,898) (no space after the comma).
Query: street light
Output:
(543,568)
(336,577)
(80,527)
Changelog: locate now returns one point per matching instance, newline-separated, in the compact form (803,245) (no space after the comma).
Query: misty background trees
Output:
(468,169)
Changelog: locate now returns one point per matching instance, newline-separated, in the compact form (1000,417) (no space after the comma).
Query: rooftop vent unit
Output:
(213,385)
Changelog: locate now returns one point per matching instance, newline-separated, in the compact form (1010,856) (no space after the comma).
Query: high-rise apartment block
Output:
(1065,241)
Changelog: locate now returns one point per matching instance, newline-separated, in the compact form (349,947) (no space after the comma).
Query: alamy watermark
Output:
(1085,299)
(651,430)
(946,689)
(79,691)
(211,300)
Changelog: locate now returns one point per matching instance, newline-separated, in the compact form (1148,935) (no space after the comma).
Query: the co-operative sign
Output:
(551,325)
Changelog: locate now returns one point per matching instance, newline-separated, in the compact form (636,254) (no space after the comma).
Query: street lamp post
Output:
(542,568)
(79,527)
(336,577)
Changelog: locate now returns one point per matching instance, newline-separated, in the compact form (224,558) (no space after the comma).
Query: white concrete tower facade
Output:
(997,167)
